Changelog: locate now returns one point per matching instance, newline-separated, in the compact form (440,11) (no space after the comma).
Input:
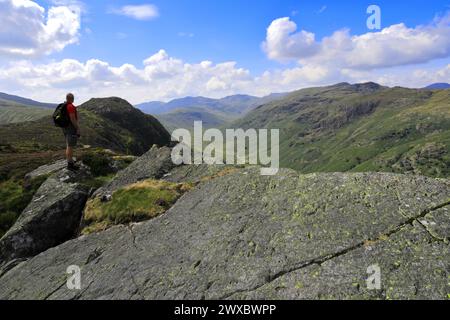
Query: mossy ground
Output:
(137,202)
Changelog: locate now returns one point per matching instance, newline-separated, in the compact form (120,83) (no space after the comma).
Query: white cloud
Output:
(283,44)
(337,58)
(162,77)
(396,45)
(138,12)
(27,31)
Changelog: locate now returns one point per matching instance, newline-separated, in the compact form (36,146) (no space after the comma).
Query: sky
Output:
(166,49)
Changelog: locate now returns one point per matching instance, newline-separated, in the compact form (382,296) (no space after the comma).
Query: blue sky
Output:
(102,38)
(222,30)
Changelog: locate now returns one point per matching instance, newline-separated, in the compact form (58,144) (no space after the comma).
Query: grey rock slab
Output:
(243,235)
(411,265)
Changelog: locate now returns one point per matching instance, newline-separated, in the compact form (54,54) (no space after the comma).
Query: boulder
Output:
(245,236)
(52,217)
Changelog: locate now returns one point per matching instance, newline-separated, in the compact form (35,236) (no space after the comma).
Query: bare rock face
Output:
(245,236)
(52,217)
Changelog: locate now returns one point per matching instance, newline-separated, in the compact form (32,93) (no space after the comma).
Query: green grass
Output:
(14,197)
(137,202)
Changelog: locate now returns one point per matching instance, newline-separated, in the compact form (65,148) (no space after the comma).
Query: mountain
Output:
(362,127)
(438,86)
(110,123)
(185,117)
(237,104)
(215,232)
(25,101)
(181,113)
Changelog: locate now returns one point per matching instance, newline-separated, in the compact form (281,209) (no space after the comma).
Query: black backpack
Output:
(61,116)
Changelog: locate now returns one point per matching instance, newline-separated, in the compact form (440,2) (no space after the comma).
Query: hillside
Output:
(187,234)
(11,112)
(181,113)
(363,127)
(15,109)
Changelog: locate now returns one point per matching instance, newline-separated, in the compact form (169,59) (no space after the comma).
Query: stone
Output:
(245,236)
(51,218)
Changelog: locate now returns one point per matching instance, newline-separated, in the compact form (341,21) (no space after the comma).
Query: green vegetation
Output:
(137,202)
(360,128)
(14,197)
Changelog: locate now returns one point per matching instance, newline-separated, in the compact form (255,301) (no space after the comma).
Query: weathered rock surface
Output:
(46,170)
(243,235)
(152,165)
(52,217)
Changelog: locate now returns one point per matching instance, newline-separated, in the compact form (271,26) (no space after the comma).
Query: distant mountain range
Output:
(237,104)
(438,86)
(181,113)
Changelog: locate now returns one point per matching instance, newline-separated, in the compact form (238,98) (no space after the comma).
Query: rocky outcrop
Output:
(154,164)
(242,236)
(145,129)
(52,217)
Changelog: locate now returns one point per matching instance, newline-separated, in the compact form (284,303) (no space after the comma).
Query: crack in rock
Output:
(323,259)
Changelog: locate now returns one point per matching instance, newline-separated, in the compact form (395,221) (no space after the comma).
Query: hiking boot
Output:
(72,166)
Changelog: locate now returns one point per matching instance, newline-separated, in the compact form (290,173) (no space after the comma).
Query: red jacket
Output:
(71,109)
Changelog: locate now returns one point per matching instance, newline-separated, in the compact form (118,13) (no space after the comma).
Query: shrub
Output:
(99,163)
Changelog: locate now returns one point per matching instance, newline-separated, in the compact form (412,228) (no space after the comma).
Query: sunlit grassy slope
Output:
(363,127)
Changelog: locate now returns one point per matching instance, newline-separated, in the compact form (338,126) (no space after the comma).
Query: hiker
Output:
(72,131)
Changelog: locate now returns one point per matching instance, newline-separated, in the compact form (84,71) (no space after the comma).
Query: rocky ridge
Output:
(239,235)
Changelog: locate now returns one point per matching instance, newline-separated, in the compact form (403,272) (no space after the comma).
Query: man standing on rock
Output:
(72,132)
